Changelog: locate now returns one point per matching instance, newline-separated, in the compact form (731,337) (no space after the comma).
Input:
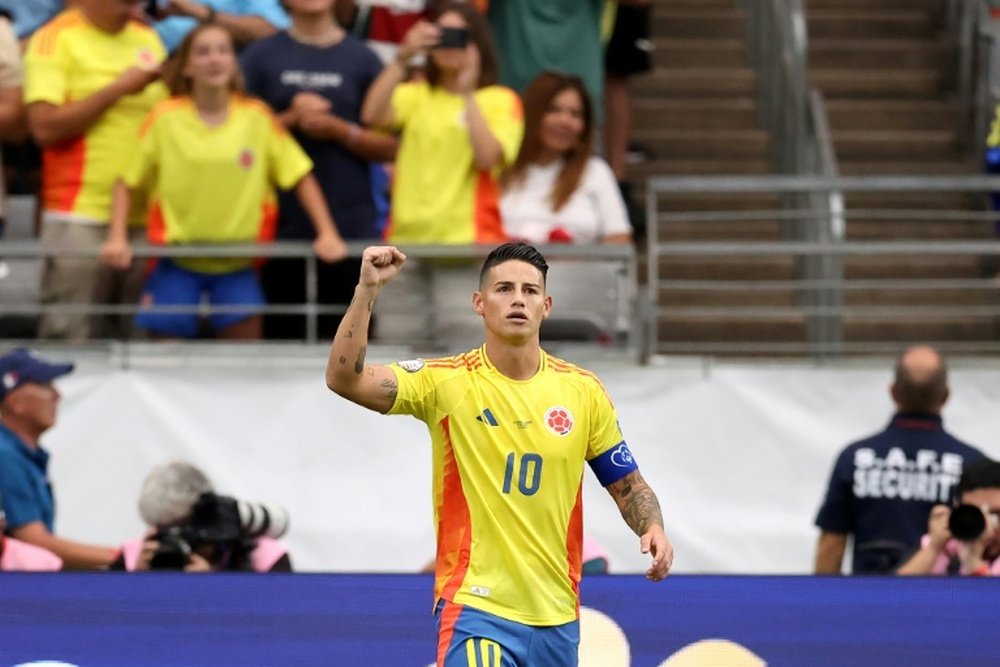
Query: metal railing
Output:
(828,311)
(619,316)
(777,40)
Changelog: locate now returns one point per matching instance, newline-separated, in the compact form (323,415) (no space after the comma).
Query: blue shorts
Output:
(171,285)
(469,637)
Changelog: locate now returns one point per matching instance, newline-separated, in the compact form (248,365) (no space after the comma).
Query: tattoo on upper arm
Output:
(350,334)
(343,360)
(392,386)
(359,364)
(638,503)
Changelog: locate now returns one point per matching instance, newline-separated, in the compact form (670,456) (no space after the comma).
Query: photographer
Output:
(195,530)
(964,540)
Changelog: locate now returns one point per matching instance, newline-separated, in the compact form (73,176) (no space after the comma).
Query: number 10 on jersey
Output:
(529,473)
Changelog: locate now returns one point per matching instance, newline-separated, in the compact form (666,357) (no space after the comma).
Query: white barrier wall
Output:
(738,454)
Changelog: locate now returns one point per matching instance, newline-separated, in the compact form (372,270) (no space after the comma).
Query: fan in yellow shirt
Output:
(91,76)
(210,159)
(511,429)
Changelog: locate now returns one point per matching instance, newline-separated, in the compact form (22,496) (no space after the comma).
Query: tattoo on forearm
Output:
(343,360)
(350,334)
(359,365)
(392,386)
(638,504)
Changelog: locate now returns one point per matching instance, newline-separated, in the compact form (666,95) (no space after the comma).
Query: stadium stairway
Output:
(698,114)
(887,75)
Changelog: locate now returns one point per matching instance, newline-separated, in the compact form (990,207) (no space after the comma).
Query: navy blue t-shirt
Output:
(883,488)
(278,67)
(25,492)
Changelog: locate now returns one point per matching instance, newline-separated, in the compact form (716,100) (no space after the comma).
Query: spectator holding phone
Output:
(458,131)
(211,157)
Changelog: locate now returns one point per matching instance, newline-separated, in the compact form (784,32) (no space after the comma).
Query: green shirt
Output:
(562,35)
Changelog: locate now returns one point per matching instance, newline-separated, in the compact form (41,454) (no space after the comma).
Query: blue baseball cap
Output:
(21,366)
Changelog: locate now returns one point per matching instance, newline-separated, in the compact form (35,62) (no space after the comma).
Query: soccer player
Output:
(511,428)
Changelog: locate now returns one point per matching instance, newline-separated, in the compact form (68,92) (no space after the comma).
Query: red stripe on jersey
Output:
(449,617)
(454,525)
(574,546)
(156,226)
(62,174)
(486,210)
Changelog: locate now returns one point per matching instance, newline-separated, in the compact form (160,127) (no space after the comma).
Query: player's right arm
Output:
(347,374)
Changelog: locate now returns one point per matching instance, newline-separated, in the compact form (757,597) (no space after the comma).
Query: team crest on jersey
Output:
(146,57)
(412,365)
(247,158)
(559,420)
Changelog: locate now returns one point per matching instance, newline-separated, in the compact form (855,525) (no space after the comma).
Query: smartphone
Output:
(453,38)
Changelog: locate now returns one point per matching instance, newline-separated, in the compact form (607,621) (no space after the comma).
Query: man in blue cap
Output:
(28,402)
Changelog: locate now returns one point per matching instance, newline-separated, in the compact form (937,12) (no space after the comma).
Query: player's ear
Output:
(477,302)
(547,306)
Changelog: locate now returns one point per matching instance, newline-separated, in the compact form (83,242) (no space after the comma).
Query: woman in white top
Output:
(556,191)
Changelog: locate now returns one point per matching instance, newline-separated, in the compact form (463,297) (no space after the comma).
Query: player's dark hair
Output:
(920,394)
(983,474)
(519,251)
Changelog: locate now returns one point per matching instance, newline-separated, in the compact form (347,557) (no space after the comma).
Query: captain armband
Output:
(613,464)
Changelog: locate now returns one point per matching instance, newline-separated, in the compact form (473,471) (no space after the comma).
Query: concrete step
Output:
(695,21)
(936,6)
(914,268)
(919,328)
(700,52)
(908,230)
(638,173)
(894,115)
(727,268)
(892,297)
(697,82)
(869,53)
(723,298)
(876,23)
(878,83)
(701,144)
(789,328)
(946,201)
(695,114)
(744,201)
(928,167)
(895,144)
(741,230)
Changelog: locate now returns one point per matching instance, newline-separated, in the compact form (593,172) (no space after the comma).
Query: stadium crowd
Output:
(214,121)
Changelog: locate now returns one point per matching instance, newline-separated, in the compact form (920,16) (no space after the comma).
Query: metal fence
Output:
(763,270)
(607,315)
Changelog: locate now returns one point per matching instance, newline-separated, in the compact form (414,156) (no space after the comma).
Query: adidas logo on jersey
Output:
(487,418)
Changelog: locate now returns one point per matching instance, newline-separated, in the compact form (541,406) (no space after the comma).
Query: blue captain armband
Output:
(613,464)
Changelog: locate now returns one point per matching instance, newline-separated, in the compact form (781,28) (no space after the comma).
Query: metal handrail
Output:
(624,254)
(819,296)
(778,51)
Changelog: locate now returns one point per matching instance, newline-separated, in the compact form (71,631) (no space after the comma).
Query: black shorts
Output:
(629,50)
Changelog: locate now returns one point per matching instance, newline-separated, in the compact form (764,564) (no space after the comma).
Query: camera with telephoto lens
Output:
(218,521)
(967,523)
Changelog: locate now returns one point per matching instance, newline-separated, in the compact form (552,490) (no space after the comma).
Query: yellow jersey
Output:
(438,195)
(508,471)
(214,184)
(69,59)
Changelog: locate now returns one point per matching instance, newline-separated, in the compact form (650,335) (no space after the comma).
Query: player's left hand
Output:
(654,541)
(330,248)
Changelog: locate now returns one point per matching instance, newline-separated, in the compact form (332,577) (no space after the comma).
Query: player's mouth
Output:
(518,317)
